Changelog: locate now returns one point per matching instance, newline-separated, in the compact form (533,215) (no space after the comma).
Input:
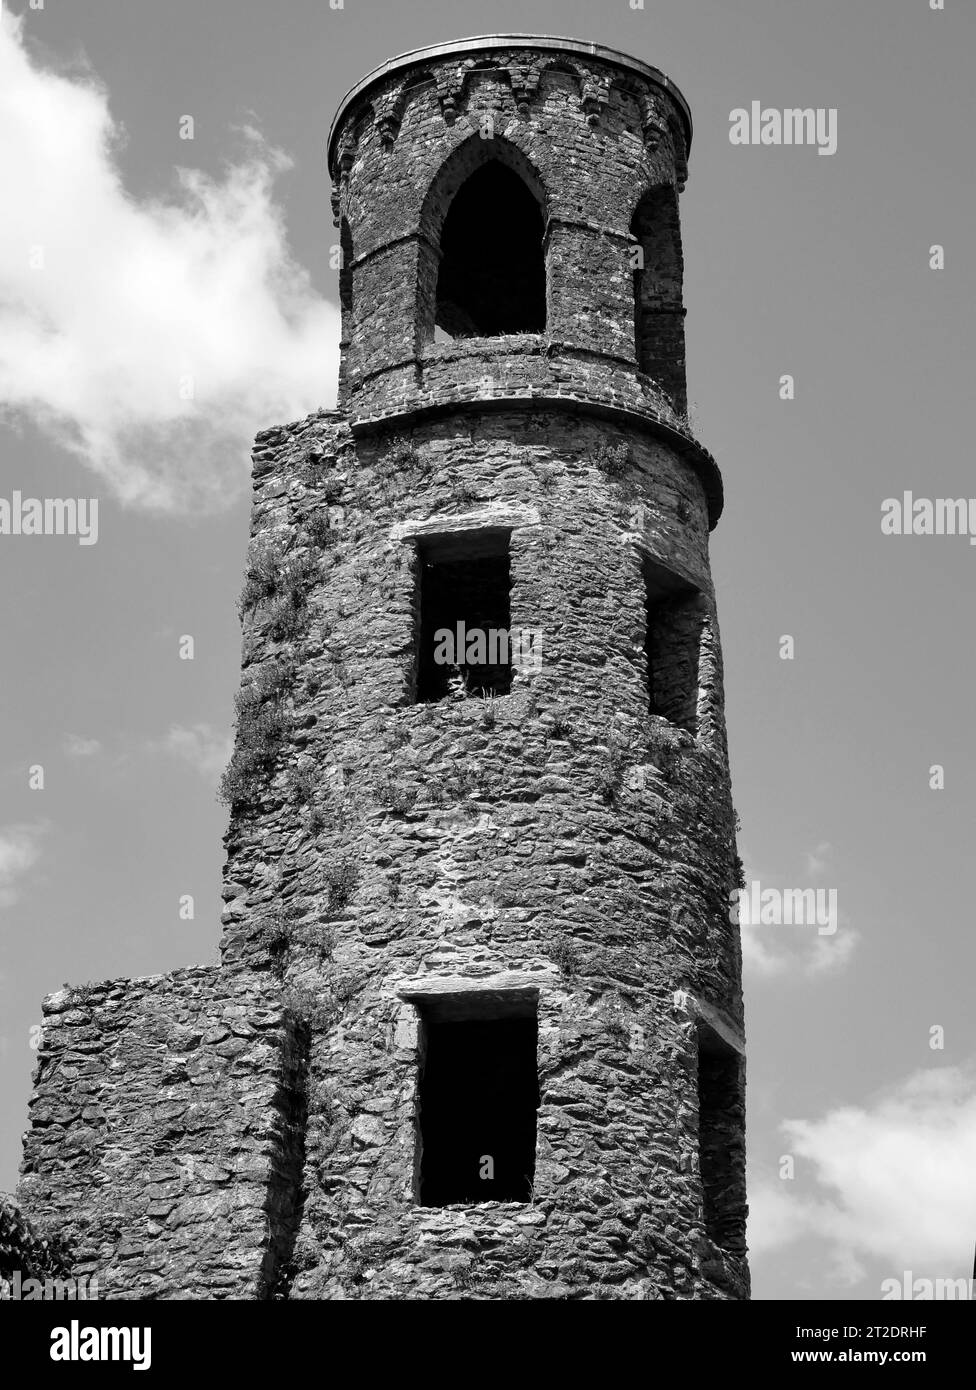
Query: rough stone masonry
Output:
(477,1027)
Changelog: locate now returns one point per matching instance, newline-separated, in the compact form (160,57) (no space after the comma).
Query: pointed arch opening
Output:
(659,329)
(484,269)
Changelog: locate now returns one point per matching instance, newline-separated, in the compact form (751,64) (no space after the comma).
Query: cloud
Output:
(894,1180)
(780,952)
(75,746)
(200,746)
(829,955)
(782,949)
(758,956)
(112,306)
(777,1216)
(816,860)
(19,852)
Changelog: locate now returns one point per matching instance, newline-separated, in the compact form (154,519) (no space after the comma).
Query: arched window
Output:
(485,236)
(492,276)
(658,308)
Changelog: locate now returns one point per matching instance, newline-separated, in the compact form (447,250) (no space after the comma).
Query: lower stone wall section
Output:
(166,1137)
(26,1253)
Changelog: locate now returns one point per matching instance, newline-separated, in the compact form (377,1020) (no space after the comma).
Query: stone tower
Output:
(477,1027)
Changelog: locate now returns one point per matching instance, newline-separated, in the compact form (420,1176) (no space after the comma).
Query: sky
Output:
(162,298)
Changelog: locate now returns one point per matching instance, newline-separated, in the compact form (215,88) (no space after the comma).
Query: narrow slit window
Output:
(478,1094)
(672,646)
(464,616)
(721,1156)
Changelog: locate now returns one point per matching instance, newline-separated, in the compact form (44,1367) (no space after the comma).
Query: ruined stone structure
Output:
(477,1027)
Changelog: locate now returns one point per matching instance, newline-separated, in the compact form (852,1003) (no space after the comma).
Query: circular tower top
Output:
(509,229)
(551,43)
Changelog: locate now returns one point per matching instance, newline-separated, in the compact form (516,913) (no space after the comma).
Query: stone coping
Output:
(486,43)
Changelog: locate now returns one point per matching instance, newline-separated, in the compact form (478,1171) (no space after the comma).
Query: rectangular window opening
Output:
(672,642)
(464,620)
(721,1141)
(478,1095)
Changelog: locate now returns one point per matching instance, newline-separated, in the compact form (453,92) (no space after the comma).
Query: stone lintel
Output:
(714,1019)
(462,998)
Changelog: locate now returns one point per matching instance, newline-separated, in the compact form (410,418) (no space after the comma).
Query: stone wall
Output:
(560,841)
(166,1125)
(27,1252)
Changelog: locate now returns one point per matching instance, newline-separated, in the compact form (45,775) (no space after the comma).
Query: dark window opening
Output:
(478,1097)
(721,1143)
(672,643)
(465,616)
(492,276)
(345,298)
(659,327)
(345,267)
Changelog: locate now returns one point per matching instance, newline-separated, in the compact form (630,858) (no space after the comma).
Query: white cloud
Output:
(199,745)
(758,955)
(136,294)
(829,955)
(76,746)
(780,952)
(19,852)
(894,1180)
(783,950)
(777,1215)
(816,860)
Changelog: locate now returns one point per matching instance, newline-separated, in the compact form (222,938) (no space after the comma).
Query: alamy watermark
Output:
(759,125)
(50,516)
(78,1343)
(17,1289)
(755,905)
(909,515)
(928,1290)
(520,648)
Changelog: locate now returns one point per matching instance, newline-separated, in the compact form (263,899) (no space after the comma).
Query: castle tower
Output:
(482,842)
